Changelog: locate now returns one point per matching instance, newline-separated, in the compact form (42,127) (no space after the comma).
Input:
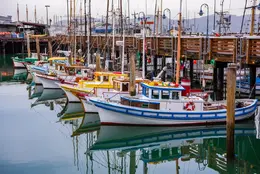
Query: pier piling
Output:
(252,81)
(230,119)
(220,83)
(38,48)
(191,73)
(132,74)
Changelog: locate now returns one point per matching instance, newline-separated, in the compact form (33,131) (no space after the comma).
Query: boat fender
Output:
(190,106)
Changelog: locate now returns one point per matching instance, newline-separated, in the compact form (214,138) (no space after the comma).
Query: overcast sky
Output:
(58,7)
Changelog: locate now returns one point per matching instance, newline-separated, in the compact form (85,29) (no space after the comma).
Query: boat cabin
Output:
(123,84)
(162,91)
(163,96)
(108,77)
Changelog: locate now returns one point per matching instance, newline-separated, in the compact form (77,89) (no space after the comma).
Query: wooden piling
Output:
(51,106)
(191,72)
(132,89)
(38,48)
(98,68)
(252,81)
(155,65)
(50,47)
(28,46)
(230,119)
(132,167)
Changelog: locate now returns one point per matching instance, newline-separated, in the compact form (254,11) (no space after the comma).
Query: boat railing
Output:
(114,94)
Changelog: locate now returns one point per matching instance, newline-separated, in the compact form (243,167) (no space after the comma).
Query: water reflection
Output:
(49,96)
(202,145)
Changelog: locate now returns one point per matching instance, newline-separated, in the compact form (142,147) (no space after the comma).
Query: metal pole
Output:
(123,51)
(68,19)
(113,44)
(214,22)
(144,40)
(179,45)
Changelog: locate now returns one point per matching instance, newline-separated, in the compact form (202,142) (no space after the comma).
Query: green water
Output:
(33,139)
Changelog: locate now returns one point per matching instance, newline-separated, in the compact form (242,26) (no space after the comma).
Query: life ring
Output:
(190,106)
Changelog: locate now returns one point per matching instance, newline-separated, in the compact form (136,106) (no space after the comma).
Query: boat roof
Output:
(127,79)
(110,74)
(57,58)
(162,86)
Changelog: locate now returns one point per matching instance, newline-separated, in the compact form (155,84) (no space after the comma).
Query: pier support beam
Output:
(3,47)
(38,48)
(155,65)
(49,47)
(98,68)
(215,83)
(132,74)
(230,119)
(145,65)
(191,73)
(252,81)
(220,83)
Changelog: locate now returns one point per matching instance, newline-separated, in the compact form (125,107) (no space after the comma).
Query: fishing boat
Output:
(161,104)
(102,82)
(243,86)
(22,63)
(71,75)
(46,67)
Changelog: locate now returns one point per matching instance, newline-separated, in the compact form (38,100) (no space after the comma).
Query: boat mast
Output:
(113,44)
(89,30)
(123,51)
(154,20)
(74,15)
(28,45)
(179,45)
(253,19)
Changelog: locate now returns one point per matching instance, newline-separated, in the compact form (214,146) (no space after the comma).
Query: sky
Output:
(58,7)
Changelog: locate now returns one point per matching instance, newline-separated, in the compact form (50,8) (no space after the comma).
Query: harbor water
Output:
(34,138)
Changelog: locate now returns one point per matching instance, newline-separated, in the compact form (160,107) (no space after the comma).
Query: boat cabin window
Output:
(125,86)
(116,86)
(98,78)
(155,94)
(175,96)
(105,79)
(147,92)
(165,94)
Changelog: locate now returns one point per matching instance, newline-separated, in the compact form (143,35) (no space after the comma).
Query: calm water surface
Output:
(34,138)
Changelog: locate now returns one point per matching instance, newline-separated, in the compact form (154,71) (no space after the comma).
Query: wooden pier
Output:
(222,49)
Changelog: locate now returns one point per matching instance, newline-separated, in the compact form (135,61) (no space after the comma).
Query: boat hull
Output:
(17,64)
(70,96)
(113,114)
(89,107)
(36,79)
(49,82)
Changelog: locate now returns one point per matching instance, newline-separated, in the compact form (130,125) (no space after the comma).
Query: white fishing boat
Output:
(163,105)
